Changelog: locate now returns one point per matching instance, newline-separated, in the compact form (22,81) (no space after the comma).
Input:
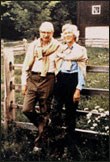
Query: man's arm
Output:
(26,64)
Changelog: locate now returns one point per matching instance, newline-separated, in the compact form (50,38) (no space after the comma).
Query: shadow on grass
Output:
(17,145)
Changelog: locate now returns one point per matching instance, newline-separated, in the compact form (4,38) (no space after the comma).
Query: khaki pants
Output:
(39,90)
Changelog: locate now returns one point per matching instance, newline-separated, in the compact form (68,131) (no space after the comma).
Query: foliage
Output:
(96,82)
(102,55)
(96,120)
(99,123)
(22,18)
(7,19)
(18,145)
(91,102)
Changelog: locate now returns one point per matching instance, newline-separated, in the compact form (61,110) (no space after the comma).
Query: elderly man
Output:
(38,76)
(71,71)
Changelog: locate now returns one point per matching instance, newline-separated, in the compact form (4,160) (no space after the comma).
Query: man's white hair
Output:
(46,26)
(73,29)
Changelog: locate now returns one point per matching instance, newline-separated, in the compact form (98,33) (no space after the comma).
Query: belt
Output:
(38,73)
(66,73)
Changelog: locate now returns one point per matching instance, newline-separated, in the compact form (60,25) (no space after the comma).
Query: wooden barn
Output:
(93,22)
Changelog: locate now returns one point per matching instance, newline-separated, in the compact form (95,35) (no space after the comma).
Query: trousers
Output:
(39,90)
(65,87)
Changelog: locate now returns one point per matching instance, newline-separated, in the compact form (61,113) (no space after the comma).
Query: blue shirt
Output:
(73,69)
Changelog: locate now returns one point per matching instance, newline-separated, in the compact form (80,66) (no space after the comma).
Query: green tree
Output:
(37,12)
(63,12)
(22,18)
(7,21)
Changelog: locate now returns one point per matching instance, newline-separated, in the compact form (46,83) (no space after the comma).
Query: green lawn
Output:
(18,144)
(97,56)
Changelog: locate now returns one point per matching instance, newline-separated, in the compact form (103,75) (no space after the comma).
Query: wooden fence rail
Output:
(10,87)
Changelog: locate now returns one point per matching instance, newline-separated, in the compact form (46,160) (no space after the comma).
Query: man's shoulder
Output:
(32,45)
(34,42)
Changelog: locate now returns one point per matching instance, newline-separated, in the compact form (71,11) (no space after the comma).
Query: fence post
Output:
(25,43)
(9,92)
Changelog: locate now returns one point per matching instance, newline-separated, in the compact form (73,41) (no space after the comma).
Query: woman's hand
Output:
(76,95)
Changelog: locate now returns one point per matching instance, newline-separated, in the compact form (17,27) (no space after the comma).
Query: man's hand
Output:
(76,95)
(61,55)
(24,88)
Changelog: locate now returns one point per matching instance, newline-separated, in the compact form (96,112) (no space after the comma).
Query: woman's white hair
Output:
(73,29)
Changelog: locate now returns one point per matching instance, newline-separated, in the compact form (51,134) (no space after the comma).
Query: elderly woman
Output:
(71,71)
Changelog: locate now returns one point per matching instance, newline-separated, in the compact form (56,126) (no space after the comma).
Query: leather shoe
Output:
(37,149)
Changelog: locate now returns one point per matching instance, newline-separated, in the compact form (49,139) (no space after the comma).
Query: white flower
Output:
(108,132)
(86,109)
(107,128)
(97,107)
(88,121)
(97,119)
(95,124)
(89,115)
(107,112)
(92,128)
(103,115)
(94,111)
(101,110)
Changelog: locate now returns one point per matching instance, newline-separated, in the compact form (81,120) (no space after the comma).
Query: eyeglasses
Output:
(44,32)
(67,33)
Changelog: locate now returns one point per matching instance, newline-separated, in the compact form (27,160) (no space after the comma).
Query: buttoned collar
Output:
(74,44)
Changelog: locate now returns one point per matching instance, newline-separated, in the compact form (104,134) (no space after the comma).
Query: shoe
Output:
(37,149)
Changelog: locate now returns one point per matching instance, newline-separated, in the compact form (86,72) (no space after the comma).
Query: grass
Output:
(97,80)
(97,56)
(91,102)
(18,144)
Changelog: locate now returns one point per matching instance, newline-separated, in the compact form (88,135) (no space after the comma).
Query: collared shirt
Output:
(73,69)
(37,65)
